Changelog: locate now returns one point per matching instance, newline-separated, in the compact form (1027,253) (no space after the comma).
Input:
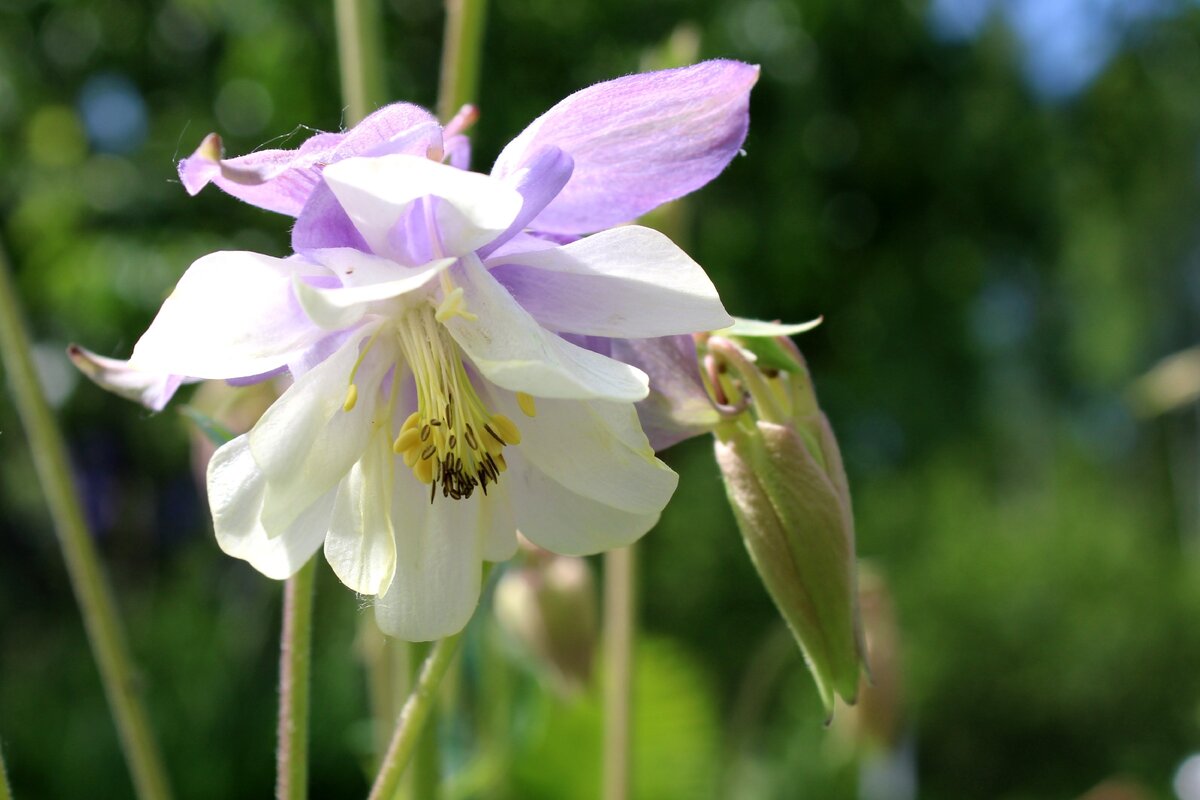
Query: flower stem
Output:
(358,31)
(461,55)
(425,770)
(412,717)
(5,790)
(92,592)
(619,570)
(295,657)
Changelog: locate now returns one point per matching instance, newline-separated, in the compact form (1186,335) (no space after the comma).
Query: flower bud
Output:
(548,606)
(785,481)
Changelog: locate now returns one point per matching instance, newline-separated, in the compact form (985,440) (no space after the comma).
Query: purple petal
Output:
(152,389)
(538,184)
(637,142)
(283,180)
(323,223)
(678,406)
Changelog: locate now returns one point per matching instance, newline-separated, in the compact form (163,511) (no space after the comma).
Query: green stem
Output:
(5,790)
(121,682)
(295,659)
(425,771)
(358,32)
(413,716)
(461,55)
(619,570)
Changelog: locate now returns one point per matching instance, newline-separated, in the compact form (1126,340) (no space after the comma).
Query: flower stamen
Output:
(440,440)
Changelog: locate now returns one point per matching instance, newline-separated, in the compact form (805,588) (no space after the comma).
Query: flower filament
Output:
(452,439)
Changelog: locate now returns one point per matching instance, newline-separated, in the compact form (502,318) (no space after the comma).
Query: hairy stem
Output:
(413,715)
(92,592)
(619,570)
(295,658)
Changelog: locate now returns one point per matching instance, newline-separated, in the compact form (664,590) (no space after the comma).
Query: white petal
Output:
(306,442)
(596,449)
(513,351)
(630,282)
(232,314)
(338,308)
(375,192)
(235,494)
(439,559)
(360,546)
(553,517)
(499,523)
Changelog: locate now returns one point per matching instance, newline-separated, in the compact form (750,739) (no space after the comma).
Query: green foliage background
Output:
(994,270)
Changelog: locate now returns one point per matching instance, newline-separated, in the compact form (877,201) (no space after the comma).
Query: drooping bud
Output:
(785,481)
(547,605)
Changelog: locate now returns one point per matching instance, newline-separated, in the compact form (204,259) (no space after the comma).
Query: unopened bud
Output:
(785,480)
(548,606)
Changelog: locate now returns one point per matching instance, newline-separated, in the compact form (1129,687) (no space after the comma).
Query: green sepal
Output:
(214,431)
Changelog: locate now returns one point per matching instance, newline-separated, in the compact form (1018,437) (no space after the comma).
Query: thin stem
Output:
(105,634)
(5,790)
(412,717)
(461,55)
(619,570)
(358,31)
(425,769)
(295,657)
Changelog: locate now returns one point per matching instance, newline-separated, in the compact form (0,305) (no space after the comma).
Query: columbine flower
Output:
(439,403)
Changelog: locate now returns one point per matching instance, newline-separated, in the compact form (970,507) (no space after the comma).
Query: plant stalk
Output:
(619,627)
(122,684)
(461,55)
(295,661)
(5,789)
(413,715)
(358,36)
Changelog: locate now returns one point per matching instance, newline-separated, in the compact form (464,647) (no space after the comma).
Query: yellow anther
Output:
(351,398)
(411,456)
(504,426)
(411,422)
(501,464)
(423,469)
(526,403)
(453,305)
(407,439)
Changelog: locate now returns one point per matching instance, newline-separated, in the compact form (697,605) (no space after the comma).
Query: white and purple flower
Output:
(432,319)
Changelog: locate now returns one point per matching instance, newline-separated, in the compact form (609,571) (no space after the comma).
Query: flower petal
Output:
(361,547)
(150,388)
(595,449)
(626,282)
(439,560)
(282,180)
(306,441)
(340,307)
(232,314)
(637,142)
(678,406)
(513,351)
(554,517)
(375,192)
(235,494)
(538,183)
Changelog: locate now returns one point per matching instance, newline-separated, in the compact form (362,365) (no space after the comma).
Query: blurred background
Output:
(994,203)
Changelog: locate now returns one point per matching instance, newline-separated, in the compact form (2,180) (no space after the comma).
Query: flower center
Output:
(452,439)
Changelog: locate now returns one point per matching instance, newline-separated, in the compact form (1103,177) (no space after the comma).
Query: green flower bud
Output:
(785,481)
(548,607)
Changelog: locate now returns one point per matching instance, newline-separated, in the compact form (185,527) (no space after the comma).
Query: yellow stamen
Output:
(351,398)
(452,441)
(527,405)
